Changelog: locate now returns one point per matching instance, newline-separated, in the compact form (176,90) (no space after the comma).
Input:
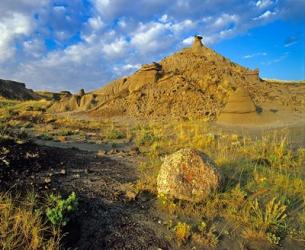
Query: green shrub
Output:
(59,209)
(115,134)
(145,137)
(45,137)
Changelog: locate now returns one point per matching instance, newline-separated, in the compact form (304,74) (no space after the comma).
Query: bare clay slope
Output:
(194,82)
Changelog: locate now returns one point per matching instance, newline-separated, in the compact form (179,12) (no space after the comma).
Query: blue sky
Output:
(67,45)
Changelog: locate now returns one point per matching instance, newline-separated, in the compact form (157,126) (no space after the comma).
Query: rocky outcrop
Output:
(188,175)
(75,103)
(17,91)
(148,74)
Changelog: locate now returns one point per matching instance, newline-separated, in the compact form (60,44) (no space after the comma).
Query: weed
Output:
(205,235)
(114,134)
(45,137)
(182,231)
(3,156)
(268,220)
(60,209)
(145,136)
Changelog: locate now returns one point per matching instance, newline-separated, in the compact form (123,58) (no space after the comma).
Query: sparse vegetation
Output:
(59,210)
(22,225)
(261,197)
(115,134)
(263,182)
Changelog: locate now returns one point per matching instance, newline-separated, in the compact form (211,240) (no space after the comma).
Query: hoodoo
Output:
(197,44)
(240,109)
(240,102)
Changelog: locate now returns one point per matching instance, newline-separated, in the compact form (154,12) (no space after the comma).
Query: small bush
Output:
(115,134)
(59,209)
(45,137)
(145,137)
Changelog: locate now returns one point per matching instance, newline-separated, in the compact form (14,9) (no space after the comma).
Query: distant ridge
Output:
(16,90)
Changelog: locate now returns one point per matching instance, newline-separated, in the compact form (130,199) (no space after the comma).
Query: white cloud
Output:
(116,48)
(131,66)
(255,55)
(34,48)
(126,69)
(188,41)
(59,9)
(92,45)
(264,3)
(183,26)
(12,27)
(150,37)
(276,60)
(163,19)
(224,20)
(266,15)
(96,23)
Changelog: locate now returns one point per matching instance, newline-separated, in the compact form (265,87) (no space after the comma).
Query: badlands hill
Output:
(195,82)
(16,90)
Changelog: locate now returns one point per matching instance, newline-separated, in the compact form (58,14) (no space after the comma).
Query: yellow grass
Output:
(22,226)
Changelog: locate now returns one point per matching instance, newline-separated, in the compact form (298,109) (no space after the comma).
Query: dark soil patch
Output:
(105,218)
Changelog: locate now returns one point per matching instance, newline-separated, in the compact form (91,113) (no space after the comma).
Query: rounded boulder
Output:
(188,174)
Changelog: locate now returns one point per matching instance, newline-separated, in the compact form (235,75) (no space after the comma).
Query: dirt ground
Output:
(107,218)
(110,214)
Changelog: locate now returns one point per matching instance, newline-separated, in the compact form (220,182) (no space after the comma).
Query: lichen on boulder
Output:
(189,175)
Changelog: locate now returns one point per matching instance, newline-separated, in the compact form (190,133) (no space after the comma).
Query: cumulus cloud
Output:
(11,28)
(96,23)
(116,48)
(151,37)
(225,20)
(70,44)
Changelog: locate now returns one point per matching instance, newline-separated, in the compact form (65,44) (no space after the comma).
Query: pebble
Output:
(101,153)
(47,180)
(130,195)
(76,176)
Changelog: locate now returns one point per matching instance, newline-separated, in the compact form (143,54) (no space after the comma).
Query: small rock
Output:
(135,150)
(47,180)
(101,153)
(76,176)
(113,151)
(130,195)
